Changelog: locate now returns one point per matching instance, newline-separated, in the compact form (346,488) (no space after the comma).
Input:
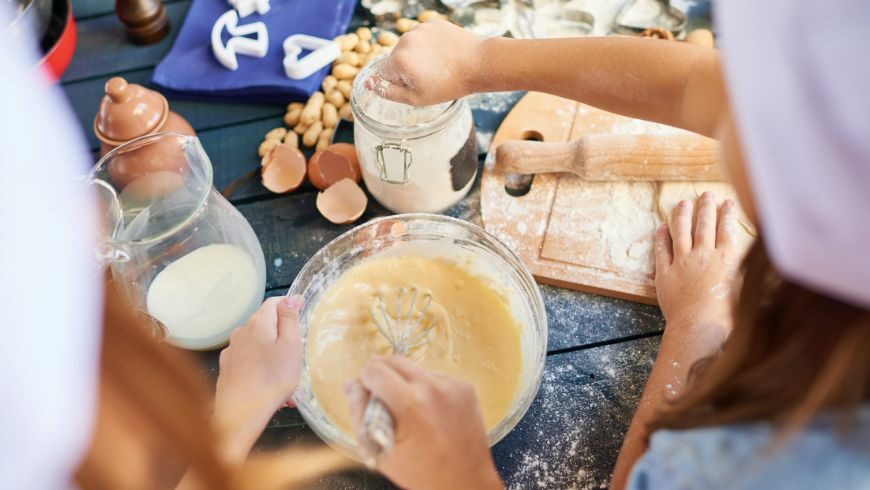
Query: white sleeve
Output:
(50,295)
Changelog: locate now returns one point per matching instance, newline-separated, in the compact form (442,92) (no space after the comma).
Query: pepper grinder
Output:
(144,21)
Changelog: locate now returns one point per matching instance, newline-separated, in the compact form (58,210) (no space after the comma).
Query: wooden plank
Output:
(84,97)
(291,230)
(572,433)
(85,9)
(233,153)
(577,318)
(103,48)
(302,438)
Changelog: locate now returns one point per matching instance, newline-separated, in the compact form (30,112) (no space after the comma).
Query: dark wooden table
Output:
(600,349)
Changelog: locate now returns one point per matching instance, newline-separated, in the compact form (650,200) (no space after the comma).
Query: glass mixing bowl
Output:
(428,236)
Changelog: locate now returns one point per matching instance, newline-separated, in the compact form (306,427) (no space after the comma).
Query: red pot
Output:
(59,41)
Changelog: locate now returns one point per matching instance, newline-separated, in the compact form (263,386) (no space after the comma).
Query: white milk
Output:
(205,294)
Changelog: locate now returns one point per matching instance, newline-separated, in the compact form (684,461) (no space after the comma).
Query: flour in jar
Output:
(435,147)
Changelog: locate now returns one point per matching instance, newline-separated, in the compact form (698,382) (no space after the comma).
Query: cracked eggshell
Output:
(326,168)
(283,169)
(343,202)
(348,151)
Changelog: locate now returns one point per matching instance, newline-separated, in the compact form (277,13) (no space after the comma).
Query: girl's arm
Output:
(663,81)
(694,272)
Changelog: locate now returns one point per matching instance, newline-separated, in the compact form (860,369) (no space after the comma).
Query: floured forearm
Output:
(682,346)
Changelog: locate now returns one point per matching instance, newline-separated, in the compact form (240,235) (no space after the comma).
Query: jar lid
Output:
(387,116)
(127,111)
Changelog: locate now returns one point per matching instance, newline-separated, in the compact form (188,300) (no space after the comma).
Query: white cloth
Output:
(798,77)
(49,292)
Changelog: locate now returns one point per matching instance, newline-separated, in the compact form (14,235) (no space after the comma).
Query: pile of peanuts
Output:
(315,120)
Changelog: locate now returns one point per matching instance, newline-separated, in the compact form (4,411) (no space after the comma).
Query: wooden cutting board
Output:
(590,236)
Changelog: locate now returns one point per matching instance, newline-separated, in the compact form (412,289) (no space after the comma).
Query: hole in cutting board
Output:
(532,135)
(518,185)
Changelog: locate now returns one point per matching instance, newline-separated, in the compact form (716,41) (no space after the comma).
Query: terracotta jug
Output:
(129,111)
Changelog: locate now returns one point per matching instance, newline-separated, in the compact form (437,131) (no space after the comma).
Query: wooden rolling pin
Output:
(602,157)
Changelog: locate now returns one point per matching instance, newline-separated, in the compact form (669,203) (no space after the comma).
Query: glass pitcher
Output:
(178,250)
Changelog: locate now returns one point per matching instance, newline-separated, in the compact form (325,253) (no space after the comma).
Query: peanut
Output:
(266,146)
(428,14)
(701,37)
(291,139)
(387,38)
(364,47)
(404,25)
(345,112)
(323,139)
(276,134)
(309,138)
(330,115)
(364,34)
(345,87)
(348,41)
(328,82)
(294,111)
(343,71)
(300,128)
(335,98)
(311,112)
(350,58)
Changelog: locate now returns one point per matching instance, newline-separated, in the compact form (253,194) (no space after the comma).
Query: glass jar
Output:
(413,159)
(177,249)
(431,236)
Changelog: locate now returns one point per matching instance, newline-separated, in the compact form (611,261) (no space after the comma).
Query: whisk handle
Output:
(376,432)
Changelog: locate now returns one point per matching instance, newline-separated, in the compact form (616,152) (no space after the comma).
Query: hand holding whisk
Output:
(405,333)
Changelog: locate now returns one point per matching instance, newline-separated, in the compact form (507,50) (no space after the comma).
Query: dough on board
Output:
(671,193)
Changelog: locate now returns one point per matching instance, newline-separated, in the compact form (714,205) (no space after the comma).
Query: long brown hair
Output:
(153,421)
(793,353)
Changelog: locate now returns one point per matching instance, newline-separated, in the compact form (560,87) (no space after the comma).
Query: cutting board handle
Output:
(603,157)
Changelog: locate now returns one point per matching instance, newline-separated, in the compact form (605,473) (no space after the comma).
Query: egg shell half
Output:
(348,151)
(326,168)
(343,202)
(283,169)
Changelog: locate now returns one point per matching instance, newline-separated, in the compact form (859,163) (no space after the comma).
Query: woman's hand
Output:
(696,270)
(435,62)
(440,437)
(259,372)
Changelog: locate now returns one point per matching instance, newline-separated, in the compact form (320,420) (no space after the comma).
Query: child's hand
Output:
(695,271)
(440,437)
(259,372)
(435,62)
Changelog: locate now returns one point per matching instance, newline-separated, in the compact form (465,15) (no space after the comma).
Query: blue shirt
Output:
(743,457)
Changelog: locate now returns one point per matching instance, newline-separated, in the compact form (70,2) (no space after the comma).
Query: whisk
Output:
(406,333)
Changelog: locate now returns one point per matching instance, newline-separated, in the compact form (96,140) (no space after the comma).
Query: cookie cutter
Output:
(239,43)
(248,7)
(323,52)
(666,16)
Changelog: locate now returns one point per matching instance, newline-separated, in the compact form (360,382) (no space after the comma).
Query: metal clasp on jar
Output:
(407,158)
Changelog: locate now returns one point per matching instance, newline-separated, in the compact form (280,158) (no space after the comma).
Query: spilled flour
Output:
(572,434)
(627,233)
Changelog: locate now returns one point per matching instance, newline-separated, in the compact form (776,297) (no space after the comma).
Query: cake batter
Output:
(475,338)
